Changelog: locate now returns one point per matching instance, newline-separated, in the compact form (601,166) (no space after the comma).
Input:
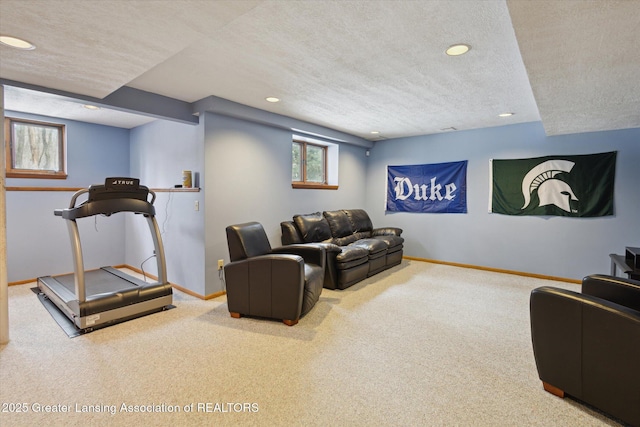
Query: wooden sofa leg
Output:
(235,315)
(290,322)
(553,390)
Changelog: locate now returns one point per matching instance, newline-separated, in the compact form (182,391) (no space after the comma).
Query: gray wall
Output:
(37,241)
(160,151)
(249,179)
(554,246)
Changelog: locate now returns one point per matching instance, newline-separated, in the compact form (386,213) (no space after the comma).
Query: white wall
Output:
(554,246)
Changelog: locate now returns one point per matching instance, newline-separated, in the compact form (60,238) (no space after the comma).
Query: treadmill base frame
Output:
(108,317)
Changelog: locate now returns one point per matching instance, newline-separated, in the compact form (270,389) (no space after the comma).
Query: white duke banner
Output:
(434,188)
(577,186)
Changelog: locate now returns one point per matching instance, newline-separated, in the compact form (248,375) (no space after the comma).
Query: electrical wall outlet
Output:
(220,264)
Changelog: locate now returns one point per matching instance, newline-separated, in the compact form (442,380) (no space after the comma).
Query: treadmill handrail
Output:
(79,193)
(75,196)
(106,207)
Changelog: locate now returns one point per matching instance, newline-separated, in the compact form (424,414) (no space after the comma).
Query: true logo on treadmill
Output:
(122,182)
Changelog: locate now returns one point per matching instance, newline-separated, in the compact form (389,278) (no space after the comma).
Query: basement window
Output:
(314,164)
(34,149)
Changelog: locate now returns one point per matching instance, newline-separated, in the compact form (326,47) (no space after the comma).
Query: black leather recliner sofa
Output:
(354,249)
(587,344)
(280,283)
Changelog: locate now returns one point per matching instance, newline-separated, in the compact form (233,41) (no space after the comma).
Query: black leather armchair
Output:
(279,283)
(587,344)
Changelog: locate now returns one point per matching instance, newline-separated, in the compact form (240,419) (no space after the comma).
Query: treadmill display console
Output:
(121,183)
(118,188)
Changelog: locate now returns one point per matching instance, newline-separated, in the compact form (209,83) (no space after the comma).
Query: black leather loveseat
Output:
(354,249)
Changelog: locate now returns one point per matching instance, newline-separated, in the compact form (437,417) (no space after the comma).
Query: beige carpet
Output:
(418,345)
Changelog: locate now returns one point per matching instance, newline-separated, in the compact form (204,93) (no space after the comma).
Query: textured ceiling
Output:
(354,66)
(46,104)
(583,62)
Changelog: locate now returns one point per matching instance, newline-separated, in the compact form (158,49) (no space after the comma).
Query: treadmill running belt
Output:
(96,282)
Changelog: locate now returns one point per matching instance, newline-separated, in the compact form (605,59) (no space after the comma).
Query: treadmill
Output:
(98,298)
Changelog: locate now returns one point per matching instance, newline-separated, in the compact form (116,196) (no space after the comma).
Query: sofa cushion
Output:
(375,247)
(362,235)
(360,221)
(344,241)
(351,264)
(312,227)
(338,223)
(352,253)
(391,241)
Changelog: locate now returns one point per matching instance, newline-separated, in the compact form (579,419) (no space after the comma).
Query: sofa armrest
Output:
(588,348)
(330,248)
(622,291)
(290,233)
(312,253)
(394,231)
(555,335)
(267,286)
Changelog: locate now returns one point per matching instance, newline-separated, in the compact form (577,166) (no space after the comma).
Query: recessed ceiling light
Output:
(91,107)
(16,43)
(457,49)
(505,115)
(375,132)
(273,99)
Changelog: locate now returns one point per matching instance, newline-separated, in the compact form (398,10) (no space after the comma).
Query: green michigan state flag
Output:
(579,186)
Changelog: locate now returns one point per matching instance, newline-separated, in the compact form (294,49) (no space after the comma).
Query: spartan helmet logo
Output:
(551,191)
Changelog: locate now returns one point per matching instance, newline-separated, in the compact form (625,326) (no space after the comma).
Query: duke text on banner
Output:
(432,188)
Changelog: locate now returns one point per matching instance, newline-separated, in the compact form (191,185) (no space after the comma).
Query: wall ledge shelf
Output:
(73,189)
(176,190)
